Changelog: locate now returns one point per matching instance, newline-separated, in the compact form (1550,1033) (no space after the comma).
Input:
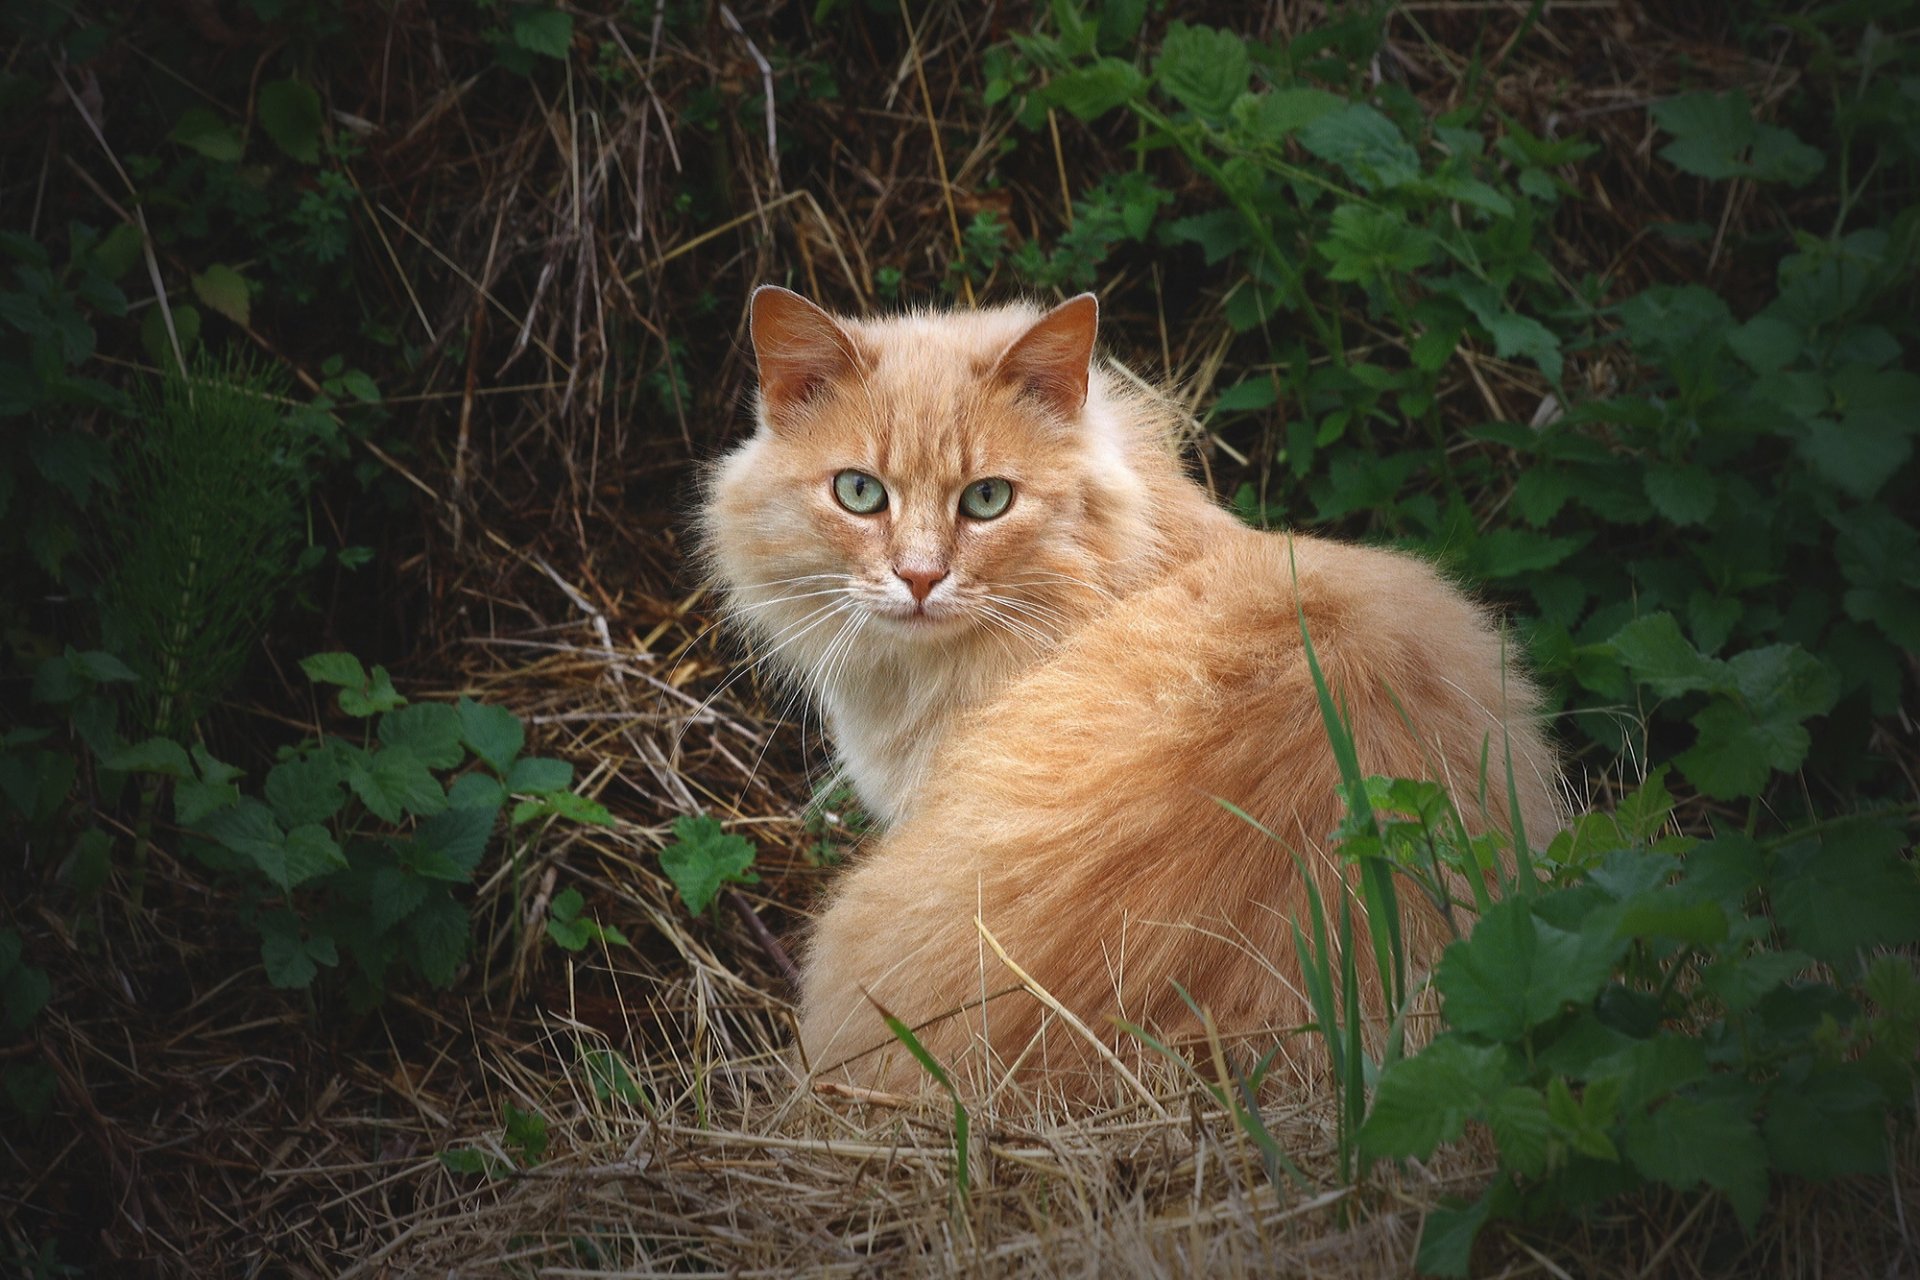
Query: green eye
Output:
(859,492)
(985,499)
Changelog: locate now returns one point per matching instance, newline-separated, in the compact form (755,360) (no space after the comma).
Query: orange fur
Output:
(1107,660)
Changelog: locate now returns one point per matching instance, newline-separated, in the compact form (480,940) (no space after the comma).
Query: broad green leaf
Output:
(1091,91)
(431,730)
(1739,981)
(494,733)
(1507,553)
(548,32)
(1682,492)
(536,775)
(476,791)
(290,113)
(1366,145)
(1427,1099)
(460,835)
(208,134)
(225,290)
(1366,244)
(193,800)
(212,770)
(1203,69)
(310,851)
(392,896)
(1829,1126)
(702,858)
(395,781)
(335,668)
(1648,1070)
(437,937)
(1447,1234)
(1515,971)
(565,804)
(1250,393)
(155,755)
(1660,658)
(1689,1141)
(305,789)
(249,829)
(527,1130)
(1846,890)
(1518,1117)
(1711,133)
(284,952)
(379,695)
(1272,116)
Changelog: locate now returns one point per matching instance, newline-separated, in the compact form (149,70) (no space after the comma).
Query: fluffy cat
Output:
(1044,656)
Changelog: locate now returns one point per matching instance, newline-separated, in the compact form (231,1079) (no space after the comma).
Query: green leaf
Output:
(564,804)
(1270,117)
(305,789)
(1507,553)
(702,858)
(431,730)
(394,781)
(1515,971)
(1846,890)
(527,1130)
(1447,1235)
(1250,393)
(193,800)
(1366,145)
(208,134)
(1091,91)
(547,32)
(249,829)
(1427,1099)
(459,835)
(1660,658)
(477,791)
(310,851)
(1690,1141)
(570,935)
(379,695)
(1518,1117)
(1682,492)
(290,113)
(225,290)
(536,775)
(493,733)
(1739,981)
(212,770)
(437,937)
(473,1160)
(335,668)
(155,755)
(1366,244)
(1203,69)
(1829,1126)
(392,895)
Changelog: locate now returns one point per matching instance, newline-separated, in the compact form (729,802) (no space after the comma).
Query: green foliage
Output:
(703,858)
(573,931)
(1746,475)
(26,1084)
(523,1134)
(962,1119)
(834,822)
(1698,1014)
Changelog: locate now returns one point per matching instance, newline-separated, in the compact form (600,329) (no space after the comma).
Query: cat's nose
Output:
(920,579)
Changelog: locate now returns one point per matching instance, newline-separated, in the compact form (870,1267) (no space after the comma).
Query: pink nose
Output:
(920,581)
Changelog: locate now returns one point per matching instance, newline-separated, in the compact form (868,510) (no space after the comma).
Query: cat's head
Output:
(924,478)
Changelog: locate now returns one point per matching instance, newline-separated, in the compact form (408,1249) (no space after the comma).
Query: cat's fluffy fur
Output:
(1048,738)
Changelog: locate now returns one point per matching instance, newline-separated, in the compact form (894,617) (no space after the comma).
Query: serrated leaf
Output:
(290,113)
(193,800)
(1366,145)
(212,770)
(527,1130)
(1689,1141)
(547,32)
(225,290)
(305,789)
(476,791)
(1093,90)
(569,935)
(1829,1126)
(437,937)
(564,804)
(431,730)
(1270,117)
(208,134)
(335,668)
(493,733)
(395,781)
(1515,971)
(1427,1099)
(377,696)
(1202,68)
(459,835)
(155,755)
(1518,1117)
(1739,981)
(393,894)
(537,775)
(288,958)
(249,829)
(1682,492)
(311,851)
(1846,890)
(1661,658)
(702,858)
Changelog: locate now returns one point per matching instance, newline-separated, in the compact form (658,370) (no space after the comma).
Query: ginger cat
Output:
(1042,653)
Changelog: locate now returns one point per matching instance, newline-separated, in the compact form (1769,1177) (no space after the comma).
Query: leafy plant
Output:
(703,858)
(573,931)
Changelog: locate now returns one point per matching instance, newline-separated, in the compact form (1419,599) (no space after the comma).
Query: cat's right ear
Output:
(799,349)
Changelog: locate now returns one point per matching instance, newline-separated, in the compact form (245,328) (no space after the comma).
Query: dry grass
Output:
(581,355)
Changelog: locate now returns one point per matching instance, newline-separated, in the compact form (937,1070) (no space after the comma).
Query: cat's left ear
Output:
(798,347)
(1052,359)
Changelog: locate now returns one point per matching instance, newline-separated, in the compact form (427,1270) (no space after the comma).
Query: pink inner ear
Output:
(798,347)
(1052,359)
